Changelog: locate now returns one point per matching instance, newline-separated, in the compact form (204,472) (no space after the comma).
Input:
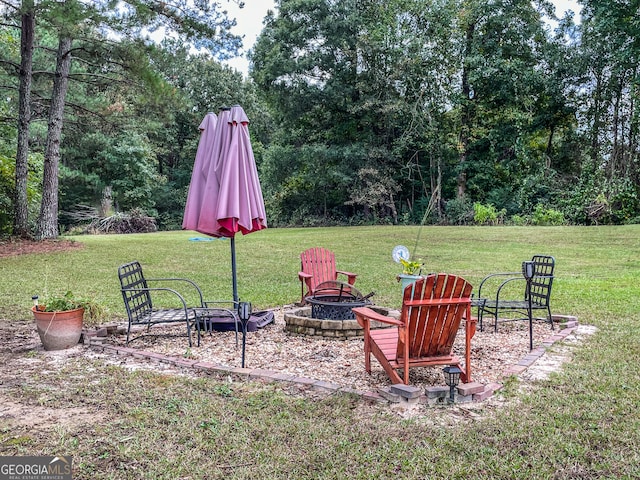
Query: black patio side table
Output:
(205,319)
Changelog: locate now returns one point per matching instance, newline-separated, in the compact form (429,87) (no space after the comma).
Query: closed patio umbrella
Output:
(230,201)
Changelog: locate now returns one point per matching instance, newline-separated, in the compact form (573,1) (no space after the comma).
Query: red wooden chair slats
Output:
(318,265)
(432,311)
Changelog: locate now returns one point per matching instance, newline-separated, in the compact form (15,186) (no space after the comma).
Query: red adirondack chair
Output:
(319,265)
(432,310)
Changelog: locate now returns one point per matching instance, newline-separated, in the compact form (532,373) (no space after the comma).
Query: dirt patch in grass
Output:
(25,362)
(31,385)
(13,247)
(40,417)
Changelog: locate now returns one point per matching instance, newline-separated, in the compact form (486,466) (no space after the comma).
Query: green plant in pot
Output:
(411,269)
(59,319)
(410,272)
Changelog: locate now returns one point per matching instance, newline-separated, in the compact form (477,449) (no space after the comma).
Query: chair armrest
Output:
(521,279)
(351,277)
(186,280)
(494,275)
(369,314)
(160,289)
(303,276)
(507,281)
(212,303)
(210,308)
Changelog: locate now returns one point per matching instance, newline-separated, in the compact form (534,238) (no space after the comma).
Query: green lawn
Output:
(581,423)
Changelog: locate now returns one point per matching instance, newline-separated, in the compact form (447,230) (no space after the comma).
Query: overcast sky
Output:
(250,19)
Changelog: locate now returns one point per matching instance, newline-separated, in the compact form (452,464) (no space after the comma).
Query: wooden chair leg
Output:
(367,354)
(469,331)
(367,346)
(402,333)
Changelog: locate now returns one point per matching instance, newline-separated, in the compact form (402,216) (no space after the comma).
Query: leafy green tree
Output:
(359,81)
(165,114)
(121,166)
(27,32)
(82,28)
(610,49)
(502,92)
(7,175)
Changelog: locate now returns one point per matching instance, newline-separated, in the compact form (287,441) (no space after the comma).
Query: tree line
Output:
(362,111)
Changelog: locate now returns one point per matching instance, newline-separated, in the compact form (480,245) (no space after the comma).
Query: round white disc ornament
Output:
(400,252)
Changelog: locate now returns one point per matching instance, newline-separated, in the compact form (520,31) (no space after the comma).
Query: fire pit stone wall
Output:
(299,321)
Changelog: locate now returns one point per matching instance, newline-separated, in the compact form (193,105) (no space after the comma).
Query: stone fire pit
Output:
(300,321)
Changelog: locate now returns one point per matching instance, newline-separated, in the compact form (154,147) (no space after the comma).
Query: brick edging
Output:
(470,392)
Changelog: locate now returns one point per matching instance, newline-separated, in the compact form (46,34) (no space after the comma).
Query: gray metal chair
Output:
(538,290)
(142,302)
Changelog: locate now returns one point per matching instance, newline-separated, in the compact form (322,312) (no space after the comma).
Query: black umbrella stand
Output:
(244,312)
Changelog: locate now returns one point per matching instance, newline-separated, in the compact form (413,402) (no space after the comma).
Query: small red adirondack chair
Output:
(318,265)
(432,310)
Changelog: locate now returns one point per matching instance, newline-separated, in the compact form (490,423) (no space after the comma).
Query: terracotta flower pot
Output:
(59,330)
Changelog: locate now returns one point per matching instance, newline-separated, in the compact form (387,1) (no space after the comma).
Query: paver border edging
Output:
(470,392)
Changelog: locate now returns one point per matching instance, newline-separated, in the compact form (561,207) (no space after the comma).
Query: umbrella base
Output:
(225,324)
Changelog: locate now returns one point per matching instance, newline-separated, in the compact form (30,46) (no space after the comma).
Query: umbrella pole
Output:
(234,277)
(243,312)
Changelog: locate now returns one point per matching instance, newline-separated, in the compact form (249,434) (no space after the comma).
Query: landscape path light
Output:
(452,379)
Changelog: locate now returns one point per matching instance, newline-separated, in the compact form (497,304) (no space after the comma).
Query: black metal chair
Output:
(143,310)
(537,290)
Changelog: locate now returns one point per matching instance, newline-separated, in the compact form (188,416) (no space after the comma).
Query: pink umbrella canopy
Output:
(207,220)
(240,202)
(200,171)
(230,198)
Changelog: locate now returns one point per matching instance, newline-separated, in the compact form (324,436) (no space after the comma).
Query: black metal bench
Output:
(142,310)
(539,292)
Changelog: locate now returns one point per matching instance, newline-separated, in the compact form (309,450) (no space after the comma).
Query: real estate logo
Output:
(35,468)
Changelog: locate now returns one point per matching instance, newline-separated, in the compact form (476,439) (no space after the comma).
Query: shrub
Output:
(624,200)
(487,214)
(547,216)
(459,211)
(518,220)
